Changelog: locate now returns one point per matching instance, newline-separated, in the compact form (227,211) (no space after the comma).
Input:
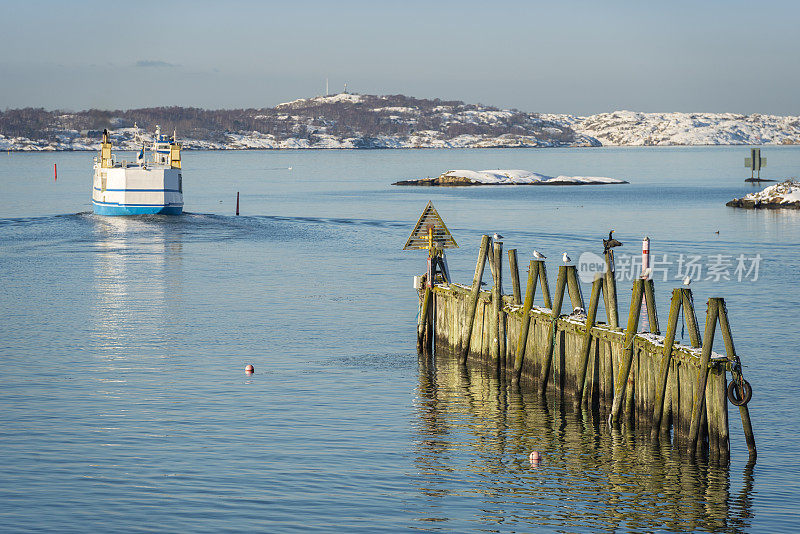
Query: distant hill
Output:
(393,121)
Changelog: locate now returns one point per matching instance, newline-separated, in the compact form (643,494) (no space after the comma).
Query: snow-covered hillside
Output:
(630,128)
(354,121)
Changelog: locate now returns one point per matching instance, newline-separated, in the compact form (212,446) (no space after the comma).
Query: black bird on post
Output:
(610,243)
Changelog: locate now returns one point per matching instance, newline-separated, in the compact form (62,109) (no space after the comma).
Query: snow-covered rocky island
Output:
(783,195)
(507,177)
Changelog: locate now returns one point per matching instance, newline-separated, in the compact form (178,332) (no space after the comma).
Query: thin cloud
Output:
(155,63)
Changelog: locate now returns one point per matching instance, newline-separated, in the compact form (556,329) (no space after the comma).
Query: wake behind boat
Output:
(142,187)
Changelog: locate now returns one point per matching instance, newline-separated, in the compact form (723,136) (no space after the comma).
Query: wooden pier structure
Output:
(626,377)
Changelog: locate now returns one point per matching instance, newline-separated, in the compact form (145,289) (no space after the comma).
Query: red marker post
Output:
(646,274)
(237,203)
(55,172)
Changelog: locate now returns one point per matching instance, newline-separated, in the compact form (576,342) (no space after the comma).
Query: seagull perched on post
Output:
(538,255)
(497,237)
(610,243)
(566,258)
(687,281)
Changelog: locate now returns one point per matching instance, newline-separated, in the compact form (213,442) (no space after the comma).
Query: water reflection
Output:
(474,437)
(136,275)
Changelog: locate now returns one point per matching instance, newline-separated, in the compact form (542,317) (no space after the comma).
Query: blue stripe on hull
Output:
(117,209)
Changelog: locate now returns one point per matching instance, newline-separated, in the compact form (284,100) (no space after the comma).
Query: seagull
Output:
(497,237)
(610,243)
(538,255)
(566,258)
(687,281)
(647,272)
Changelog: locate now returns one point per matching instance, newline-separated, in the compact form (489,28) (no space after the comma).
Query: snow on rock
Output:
(630,128)
(463,177)
(329,99)
(783,195)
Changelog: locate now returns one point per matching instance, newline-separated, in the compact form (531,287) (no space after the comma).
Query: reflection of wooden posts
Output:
(591,316)
(666,359)
(736,374)
(627,351)
(561,283)
(610,291)
(698,398)
(514,268)
(472,303)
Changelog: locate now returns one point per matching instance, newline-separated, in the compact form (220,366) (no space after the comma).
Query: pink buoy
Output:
(249,369)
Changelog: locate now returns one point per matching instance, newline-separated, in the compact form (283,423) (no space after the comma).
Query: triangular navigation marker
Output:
(430,227)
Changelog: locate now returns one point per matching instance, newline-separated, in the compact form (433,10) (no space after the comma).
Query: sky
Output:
(549,57)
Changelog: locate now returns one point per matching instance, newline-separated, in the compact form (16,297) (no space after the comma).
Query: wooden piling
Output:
(498,326)
(627,352)
(736,372)
(690,317)
(472,303)
(698,398)
(545,286)
(530,291)
(610,291)
(666,359)
(574,287)
(561,283)
(650,304)
(512,266)
(422,321)
(591,316)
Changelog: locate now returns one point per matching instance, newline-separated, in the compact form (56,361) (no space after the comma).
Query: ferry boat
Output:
(143,187)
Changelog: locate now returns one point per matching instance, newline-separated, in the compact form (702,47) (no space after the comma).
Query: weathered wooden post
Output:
(422,321)
(472,303)
(736,373)
(498,326)
(666,359)
(575,294)
(530,291)
(650,304)
(545,286)
(561,283)
(591,316)
(514,268)
(702,374)
(610,291)
(691,317)
(627,351)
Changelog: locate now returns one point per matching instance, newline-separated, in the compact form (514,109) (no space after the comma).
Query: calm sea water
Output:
(124,406)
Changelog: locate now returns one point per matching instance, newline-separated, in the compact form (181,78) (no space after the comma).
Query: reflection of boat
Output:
(143,187)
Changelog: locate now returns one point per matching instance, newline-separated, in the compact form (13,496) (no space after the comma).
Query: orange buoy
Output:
(249,369)
(535,458)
